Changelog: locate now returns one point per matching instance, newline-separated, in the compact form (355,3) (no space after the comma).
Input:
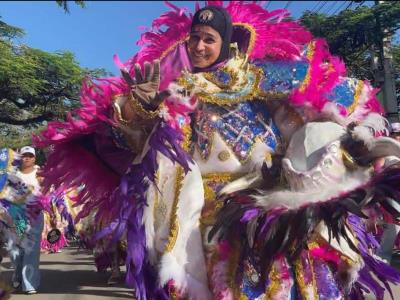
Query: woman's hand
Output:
(145,87)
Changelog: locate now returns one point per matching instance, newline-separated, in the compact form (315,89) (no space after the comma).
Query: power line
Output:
(330,8)
(322,6)
(287,4)
(313,10)
(348,6)
(359,4)
(340,7)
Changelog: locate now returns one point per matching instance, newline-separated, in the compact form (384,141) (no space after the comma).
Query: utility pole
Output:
(385,75)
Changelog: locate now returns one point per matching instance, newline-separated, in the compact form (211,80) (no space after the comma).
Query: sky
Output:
(104,28)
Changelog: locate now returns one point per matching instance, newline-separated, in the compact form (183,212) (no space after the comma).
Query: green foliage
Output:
(9,32)
(35,87)
(353,32)
(65,4)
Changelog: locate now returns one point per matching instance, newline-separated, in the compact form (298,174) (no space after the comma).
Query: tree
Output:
(64,4)
(35,86)
(352,33)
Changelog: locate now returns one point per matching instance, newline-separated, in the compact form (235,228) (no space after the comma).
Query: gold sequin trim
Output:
(187,133)
(170,48)
(140,110)
(253,35)
(357,95)
(314,281)
(274,282)
(221,177)
(211,144)
(310,56)
(173,223)
(299,270)
(208,219)
(252,95)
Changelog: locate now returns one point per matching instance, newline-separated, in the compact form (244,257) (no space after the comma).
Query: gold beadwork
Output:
(252,95)
(299,270)
(187,133)
(207,87)
(140,110)
(273,286)
(224,155)
(357,96)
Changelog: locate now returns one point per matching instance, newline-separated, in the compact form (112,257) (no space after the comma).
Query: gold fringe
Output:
(357,96)
(253,35)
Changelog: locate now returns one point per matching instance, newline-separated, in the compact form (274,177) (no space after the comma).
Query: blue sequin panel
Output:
(281,77)
(239,127)
(251,285)
(344,92)
(223,77)
(243,92)
(4,157)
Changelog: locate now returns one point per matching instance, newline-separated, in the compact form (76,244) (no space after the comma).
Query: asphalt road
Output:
(71,275)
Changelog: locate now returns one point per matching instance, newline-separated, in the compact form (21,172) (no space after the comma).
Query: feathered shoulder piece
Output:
(258,32)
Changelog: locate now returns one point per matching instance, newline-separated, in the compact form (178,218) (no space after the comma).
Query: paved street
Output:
(71,275)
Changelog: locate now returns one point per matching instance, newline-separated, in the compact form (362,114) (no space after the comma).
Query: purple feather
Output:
(130,198)
(381,270)
(249,214)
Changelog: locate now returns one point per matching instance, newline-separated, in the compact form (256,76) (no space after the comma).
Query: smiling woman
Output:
(211,111)
(210,37)
(204,46)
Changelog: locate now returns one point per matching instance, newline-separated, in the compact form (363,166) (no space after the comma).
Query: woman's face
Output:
(28,160)
(204,46)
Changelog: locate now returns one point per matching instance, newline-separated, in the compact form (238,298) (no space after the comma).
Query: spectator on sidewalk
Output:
(26,260)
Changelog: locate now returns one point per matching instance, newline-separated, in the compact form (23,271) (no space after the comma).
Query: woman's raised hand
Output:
(144,87)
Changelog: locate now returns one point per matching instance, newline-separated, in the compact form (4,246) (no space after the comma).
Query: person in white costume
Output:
(27,258)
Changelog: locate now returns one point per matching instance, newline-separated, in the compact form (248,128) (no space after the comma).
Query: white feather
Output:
(294,200)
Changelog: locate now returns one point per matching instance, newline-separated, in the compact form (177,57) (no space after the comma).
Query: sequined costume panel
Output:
(240,128)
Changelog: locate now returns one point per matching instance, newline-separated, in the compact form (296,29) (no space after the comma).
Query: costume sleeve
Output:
(88,148)
(325,89)
(316,85)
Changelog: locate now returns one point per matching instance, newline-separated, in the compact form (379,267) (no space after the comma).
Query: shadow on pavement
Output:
(76,282)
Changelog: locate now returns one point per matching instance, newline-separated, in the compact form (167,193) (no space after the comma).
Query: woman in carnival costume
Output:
(222,94)
(59,217)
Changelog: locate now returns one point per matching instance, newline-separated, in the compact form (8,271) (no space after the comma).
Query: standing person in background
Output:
(27,259)
(391,230)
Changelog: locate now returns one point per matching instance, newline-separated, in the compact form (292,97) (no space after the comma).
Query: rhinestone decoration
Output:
(239,126)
